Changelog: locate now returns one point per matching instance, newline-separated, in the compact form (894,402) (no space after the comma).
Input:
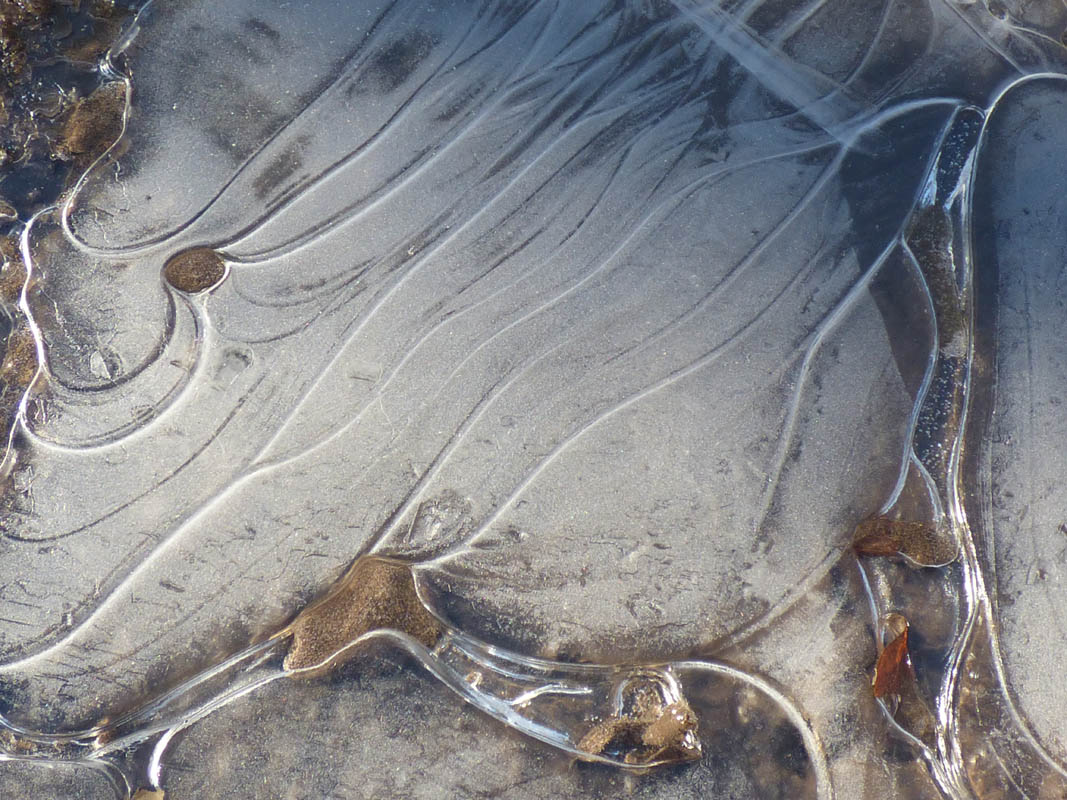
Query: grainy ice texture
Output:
(613,319)
(54,781)
(1020,214)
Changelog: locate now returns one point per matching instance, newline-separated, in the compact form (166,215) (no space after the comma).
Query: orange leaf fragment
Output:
(893,666)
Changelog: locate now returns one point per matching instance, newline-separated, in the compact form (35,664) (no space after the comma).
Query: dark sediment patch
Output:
(194,270)
(62,103)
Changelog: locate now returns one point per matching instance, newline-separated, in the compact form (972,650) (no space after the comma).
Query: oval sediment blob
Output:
(195,270)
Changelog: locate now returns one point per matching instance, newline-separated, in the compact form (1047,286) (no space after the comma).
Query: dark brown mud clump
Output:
(92,125)
(12,272)
(194,270)
(653,735)
(20,359)
(35,31)
(922,542)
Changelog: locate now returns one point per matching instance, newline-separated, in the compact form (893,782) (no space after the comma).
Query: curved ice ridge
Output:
(517,690)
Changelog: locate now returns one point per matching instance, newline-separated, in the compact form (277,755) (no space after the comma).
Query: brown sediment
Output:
(149,794)
(92,125)
(20,358)
(194,270)
(876,537)
(18,370)
(105,733)
(930,239)
(12,271)
(922,542)
(16,18)
(651,732)
(31,30)
(11,742)
(375,593)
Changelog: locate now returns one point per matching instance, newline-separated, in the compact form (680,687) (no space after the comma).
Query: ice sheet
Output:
(614,320)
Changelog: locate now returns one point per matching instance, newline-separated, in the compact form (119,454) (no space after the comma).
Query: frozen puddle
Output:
(676,383)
